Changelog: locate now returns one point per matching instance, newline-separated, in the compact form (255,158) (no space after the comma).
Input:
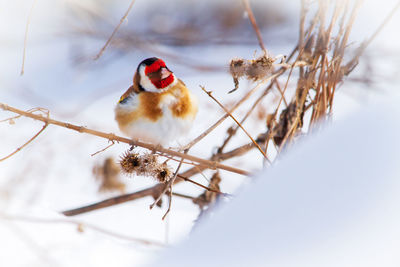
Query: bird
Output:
(158,107)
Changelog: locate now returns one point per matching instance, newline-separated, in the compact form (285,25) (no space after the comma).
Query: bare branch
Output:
(237,122)
(115,31)
(254,24)
(113,137)
(80,225)
(26,37)
(32,138)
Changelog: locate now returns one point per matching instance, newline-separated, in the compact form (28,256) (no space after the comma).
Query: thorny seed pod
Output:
(259,68)
(253,69)
(108,175)
(130,162)
(163,174)
(145,165)
(149,163)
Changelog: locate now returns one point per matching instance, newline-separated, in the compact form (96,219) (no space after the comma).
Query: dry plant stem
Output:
(383,24)
(254,24)
(362,48)
(78,224)
(343,44)
(169,186)
(202,186)
(281,92)
(104,149)
(115,31)
(25,144)
(32,138)
(300,50)
(155,190)
(182,195)
(26,37)
(236,121)
(239,103)
(113,137)
(114,201)
(279,104)
(233,131)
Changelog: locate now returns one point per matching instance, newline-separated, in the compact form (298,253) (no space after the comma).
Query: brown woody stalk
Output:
(113,137)
(115,31)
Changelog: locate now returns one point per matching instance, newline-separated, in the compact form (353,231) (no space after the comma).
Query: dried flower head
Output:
(259,68)
(130,162)
(252,69)
(145,165)
(163,174)
(108,175)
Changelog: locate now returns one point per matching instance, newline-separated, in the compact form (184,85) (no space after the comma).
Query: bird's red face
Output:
(158,73)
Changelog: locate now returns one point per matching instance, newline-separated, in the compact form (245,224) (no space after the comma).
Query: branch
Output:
(351,64)
(240,102)
(236,121)
(26,36)
(112,137)
(254,23)
(32,138)
(155,190)
(152,191)
(80,225)
(115,31)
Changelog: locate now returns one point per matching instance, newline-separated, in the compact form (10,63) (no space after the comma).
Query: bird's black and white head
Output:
(154,75)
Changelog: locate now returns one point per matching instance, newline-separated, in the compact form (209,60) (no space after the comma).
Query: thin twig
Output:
(168,186)
(236,121)
(104,149)
(31,139)
(111,136)
(182,195)
(202,186)
(115,31)
(373,36)
(26,37)
(254,24)
(79,224)
(233,131)
(238,104)
(156,189)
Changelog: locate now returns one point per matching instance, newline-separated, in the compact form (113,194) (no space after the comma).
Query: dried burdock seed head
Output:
(237,67)
(145,165)
(130,162)
(253,69)
(149,163)
(108,175)
(259,68)
(163,174)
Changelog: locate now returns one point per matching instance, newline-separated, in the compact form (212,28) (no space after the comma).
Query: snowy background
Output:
(54,173)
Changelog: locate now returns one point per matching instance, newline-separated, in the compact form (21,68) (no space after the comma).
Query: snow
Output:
(332,201)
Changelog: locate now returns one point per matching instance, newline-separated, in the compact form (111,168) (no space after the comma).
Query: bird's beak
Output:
(165,73)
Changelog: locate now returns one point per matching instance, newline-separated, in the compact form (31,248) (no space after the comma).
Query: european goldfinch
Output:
(158,107)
